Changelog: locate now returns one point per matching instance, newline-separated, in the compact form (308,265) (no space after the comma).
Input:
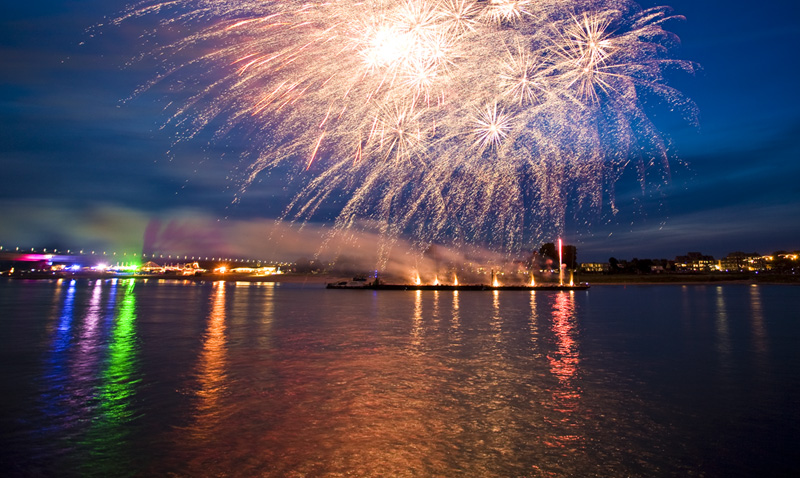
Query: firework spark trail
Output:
(468,121)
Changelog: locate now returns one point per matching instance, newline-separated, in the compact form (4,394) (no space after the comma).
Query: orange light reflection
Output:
(211,368)
(564,363)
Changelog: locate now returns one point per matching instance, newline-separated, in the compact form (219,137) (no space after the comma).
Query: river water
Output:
(170,378)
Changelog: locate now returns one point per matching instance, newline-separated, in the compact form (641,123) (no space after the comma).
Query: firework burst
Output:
(458,120)
(491,127)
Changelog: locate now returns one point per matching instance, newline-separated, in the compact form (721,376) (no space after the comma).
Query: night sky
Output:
(84,165)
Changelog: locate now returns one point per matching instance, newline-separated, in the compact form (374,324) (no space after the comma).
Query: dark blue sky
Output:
(82,167)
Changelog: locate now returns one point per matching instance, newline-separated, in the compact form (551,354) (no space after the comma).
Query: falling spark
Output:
(470,121)
(314,154)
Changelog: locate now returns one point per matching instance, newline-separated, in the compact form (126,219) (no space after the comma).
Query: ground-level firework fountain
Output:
(416,282)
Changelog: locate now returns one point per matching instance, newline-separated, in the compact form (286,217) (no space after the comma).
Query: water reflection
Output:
(686,314)
(267,314)
(343,390)
(83,365)
(59,424)
(760,344)
(455,322)
(120,374)
(88,342)
(533,325)
(110,433)
(723,332)
(88,385)
(564,361)
(57,304)
(416,322)
(212,368)
(55,377)
(436,307)
(497,331)
(61,338)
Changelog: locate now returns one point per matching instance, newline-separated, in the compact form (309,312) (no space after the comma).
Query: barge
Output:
(377,285)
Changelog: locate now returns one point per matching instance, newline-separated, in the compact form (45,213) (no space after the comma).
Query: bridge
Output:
(40,257)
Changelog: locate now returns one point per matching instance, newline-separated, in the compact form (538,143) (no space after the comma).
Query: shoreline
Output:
(288,278)
(324,279)
(694,279)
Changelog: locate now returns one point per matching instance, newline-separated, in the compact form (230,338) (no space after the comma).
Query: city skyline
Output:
(106,258)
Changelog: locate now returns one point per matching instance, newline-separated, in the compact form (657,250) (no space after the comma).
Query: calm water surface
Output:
(135,378)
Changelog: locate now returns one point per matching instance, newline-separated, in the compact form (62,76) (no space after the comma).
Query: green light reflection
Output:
(108,440)
(118,378)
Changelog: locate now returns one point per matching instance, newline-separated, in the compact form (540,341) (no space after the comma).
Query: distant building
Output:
(151,267)
(695,262)
(782,262)
(594,266)
(742,262)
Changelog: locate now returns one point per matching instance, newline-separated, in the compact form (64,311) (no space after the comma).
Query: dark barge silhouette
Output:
(377,285)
